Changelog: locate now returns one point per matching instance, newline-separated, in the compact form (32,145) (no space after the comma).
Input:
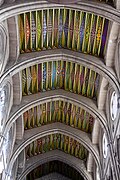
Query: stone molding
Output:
(1,2)
(13,30)
(3,47)
(103,10)
(34,100)
(117,4)
(34,134)
(102,93)
(34,162)
(112,123)
(8,99)
(112,44)
(17,88)
(89,61)
(117,58)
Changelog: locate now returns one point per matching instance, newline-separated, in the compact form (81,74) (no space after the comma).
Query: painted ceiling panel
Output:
(63,28)
(60,74)
(54,166)
(56,141)
(58,111)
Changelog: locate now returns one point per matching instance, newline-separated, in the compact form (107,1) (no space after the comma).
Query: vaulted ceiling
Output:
(60,28)
(62,80)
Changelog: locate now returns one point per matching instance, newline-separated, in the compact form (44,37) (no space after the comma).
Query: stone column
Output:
(13,38)
(1,2)
(102,93)
(90,163)
(17,88)
(112,42)
(19,128)
(117,4)
(21,162)
(117,57)
(95,132)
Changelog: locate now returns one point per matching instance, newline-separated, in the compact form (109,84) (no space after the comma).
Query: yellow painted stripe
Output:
(74,83)
(84,84)
(92,20)
(36,31)
(42,30)
(93,51)
(53,18)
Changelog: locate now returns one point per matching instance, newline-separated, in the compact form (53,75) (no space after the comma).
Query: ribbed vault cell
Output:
(54,166)
(60,75)
(56,141)
(58,111)
(63,28)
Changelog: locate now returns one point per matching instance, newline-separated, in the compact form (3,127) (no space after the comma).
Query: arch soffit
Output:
(111,13)
(82,138)
(40,98)
(86,60)
(56,155)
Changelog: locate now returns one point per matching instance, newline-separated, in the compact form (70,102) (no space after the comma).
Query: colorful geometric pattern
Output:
(58,111)
(54,166)
(56,141)
(60,75)
(63,28)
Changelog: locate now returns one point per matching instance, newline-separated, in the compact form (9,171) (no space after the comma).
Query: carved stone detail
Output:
(1,2)
(3,47)
(4,103)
